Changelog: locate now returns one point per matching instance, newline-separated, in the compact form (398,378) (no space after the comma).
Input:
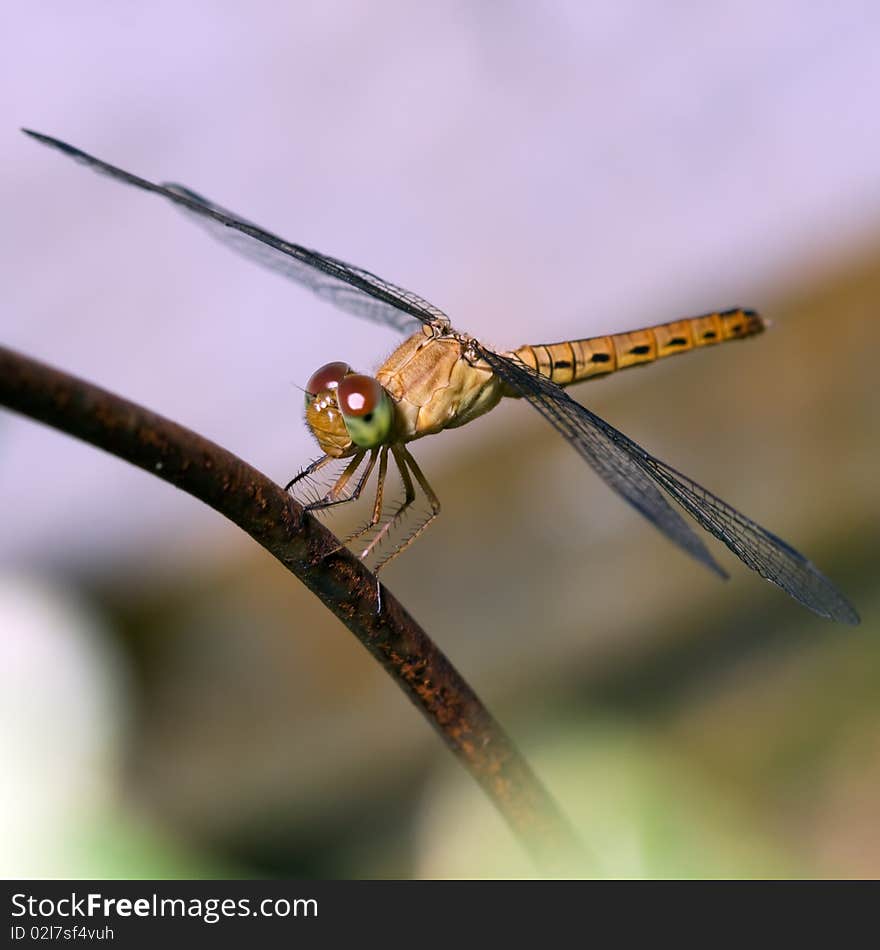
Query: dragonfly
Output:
(440,378)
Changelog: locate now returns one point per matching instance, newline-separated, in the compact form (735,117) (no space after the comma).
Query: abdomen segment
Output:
(574,360)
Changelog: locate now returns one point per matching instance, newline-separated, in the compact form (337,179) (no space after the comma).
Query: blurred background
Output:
(174,703)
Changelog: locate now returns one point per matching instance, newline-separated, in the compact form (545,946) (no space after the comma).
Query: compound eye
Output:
(327,377)
(366,410)
(358,396)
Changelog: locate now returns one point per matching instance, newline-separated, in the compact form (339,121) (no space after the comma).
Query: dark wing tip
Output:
(844,612)
(70,150)
(48,140)
(821,595)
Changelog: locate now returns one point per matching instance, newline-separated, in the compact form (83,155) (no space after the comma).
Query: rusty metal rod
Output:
(307,549)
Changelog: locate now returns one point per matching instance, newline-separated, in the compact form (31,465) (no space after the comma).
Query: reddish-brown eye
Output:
(358,395)
(327,377)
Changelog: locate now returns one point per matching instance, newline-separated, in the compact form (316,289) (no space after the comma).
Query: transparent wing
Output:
(635,474)
(350,288)
(612,461)
(337,290)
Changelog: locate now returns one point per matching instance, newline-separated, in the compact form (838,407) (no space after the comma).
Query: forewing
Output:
(628,468)
(611,460)
(350,288)
(760,549)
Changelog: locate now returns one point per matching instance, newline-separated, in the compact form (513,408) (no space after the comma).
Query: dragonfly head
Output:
(345,409)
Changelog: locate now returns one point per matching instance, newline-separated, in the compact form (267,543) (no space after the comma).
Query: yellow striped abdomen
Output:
(574,360)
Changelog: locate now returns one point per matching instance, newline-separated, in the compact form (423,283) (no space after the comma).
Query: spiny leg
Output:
(433,500)
(310,469)
(378,504)
(399,454)
(332,497)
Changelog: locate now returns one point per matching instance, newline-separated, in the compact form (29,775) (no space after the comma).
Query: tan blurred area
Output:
(263,727)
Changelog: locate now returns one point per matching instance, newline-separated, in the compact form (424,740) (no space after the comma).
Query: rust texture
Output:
(307,549)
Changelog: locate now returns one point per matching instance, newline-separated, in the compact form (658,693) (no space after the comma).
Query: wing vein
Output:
(635,474)
(352,289)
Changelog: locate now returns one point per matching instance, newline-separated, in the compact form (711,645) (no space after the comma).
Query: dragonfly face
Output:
(347,411)
(440,378)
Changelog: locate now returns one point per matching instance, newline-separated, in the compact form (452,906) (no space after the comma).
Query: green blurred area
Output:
(690,728)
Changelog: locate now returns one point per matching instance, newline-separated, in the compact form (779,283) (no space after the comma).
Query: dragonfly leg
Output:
(399,454)
(433,500)
(336,494)
(380,494)
(408,467)
(310,469)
